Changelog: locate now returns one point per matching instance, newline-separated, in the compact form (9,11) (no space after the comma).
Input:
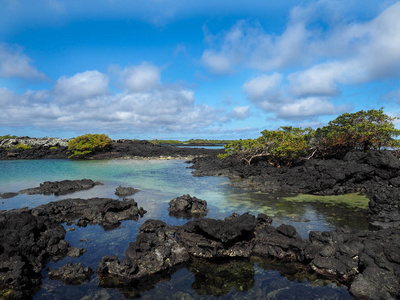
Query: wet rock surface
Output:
(73,274)
(103,211)
(125,191)
(187,207)
(32,237)
(27,243)
(61,187)
(352,257)
(375,173)
(155,250)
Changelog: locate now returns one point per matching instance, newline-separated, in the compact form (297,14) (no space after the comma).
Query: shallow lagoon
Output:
(159,181)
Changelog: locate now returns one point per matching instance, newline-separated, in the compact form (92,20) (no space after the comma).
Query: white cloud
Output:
(216,62)
(309,107)
(84,103)
(263,85)
(239,112)
(14,63)
(81,86)
(141,78)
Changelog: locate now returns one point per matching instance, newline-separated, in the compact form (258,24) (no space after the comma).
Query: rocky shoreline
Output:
(48,148)
(374,173)
(366,261)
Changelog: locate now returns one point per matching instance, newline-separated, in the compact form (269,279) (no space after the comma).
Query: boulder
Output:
(125,191)
(187,207)
(155,250)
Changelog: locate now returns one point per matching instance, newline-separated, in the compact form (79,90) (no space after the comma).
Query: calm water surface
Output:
(159,181)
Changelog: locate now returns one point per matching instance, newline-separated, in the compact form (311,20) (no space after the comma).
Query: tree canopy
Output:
(360,131)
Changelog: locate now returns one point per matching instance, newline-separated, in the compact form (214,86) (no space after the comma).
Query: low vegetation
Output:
(87,144)
(23,147)
(360,131)
(8,137)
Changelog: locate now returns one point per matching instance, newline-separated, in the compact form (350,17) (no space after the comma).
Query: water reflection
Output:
(159,182)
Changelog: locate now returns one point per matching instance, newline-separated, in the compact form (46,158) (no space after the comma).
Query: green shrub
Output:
(363,130)
(87,144)
(53,148)
(279,147)
(8,137)
(23,147)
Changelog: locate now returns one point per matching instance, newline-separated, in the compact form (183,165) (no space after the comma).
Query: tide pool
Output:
(159,181)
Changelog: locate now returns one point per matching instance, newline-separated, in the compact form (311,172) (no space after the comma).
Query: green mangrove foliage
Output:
(363,130)
(360,131)
(87,144)
(281,146)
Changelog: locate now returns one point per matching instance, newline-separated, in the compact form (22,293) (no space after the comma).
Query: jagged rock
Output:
(27,243)
(31,237)
(74,274)
(209,238)
(8,195)
(75,252)
(125,191)
(187,207)
(103,211)
(61,187)
(375,283)
(154,251)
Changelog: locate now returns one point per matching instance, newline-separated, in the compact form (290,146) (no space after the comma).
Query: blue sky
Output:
(180,69)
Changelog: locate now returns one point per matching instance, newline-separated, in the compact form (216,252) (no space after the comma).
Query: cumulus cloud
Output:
(14,63)
(269,93)
(141,78)
(81,86)
(239,112)
(309,107)
(84,103)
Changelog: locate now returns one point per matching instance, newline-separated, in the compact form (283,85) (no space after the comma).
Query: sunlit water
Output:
(159,181)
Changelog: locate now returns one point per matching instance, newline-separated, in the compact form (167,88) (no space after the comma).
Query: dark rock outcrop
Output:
(74,274)
(32,237)
(155,250)
(356,172)
(8,195)
(61,187)
(187,207)
(57,148)
(125,191)
(103,211)
(27,243)
(352,257)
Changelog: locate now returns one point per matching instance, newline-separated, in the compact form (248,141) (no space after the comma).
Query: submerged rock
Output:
(61,187)
(70,273)
(125,191)
(187,207)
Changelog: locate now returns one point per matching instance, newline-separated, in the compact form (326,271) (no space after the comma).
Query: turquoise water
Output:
(159,181)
